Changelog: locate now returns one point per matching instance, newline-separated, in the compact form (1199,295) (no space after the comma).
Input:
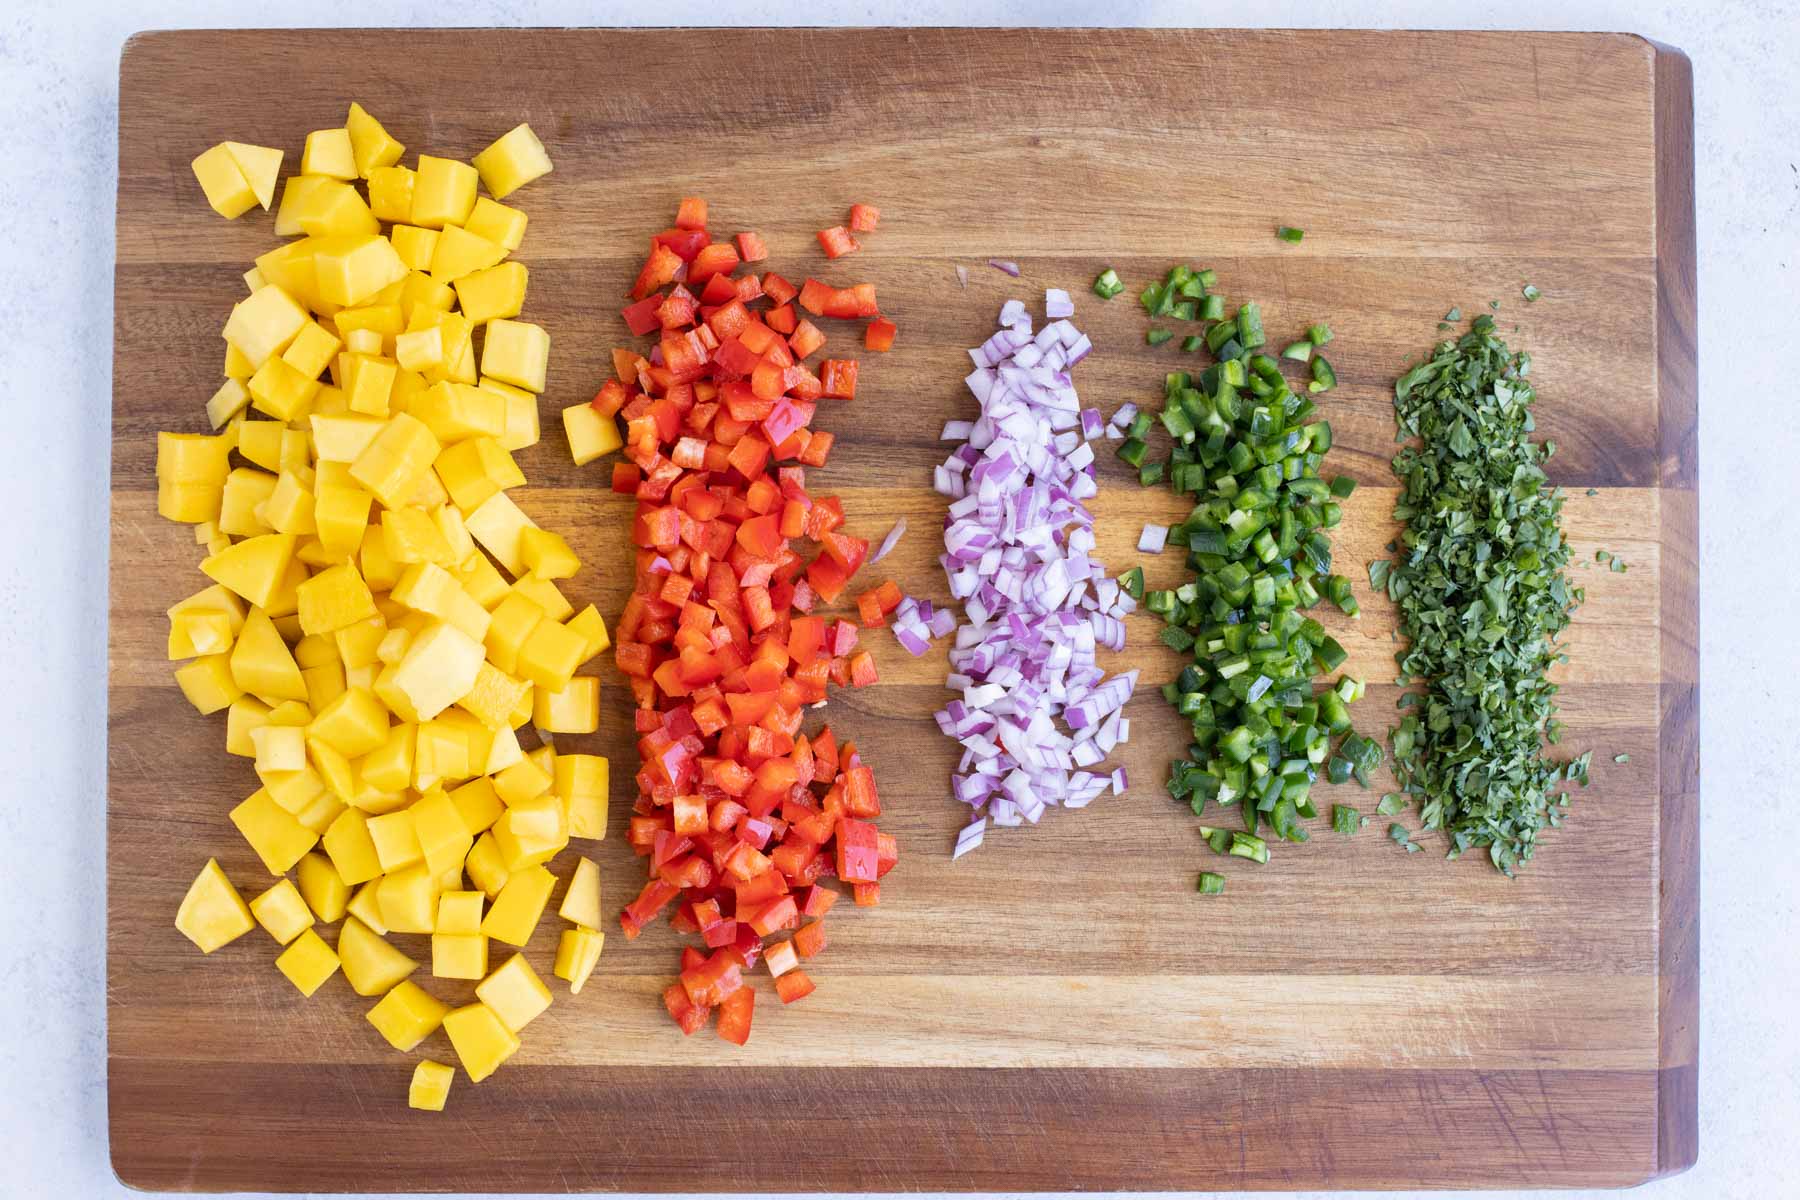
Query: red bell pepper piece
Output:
(691,214)
(717,259)
(805,339)
(839,378)
(864,218)
(809,939)
(735,1014)
(640,317)
(792,986)
(690,1016)
(751,248)
(862,669)
(856,851)
(880,335)
(837,242)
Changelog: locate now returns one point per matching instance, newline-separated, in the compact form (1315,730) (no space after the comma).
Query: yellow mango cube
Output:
(395,461)
(262,326)
(590,433)
(396,841)
(482,1041)
(312,350)
(521,783)
(412,538)
(459,912)
(407,1015)
(209,601)
(282,912)
(353,724)
(459,253)
(443,838)
(531,832)
(261,165)
(351,848)
(441,754)
(485,868)
(498,525)
(193,458)
(477,804)
(371,964)
(580,782)
(497,223)
(575,709)
(276,836)
(213,913)
(356,643)
(340,516)
(519,905)
(333,209)
(421,349)
(243,502)
(328,152)
(298,194)
(420,293)
(515,159)
(438,669)
(261,662)
(230,400)
(279,748)
(323,889)
(577,954)
(351,268)
(308,962)
(459,955)
(386,321)
(200,633)
(513,620)
(443,192)
(189,503)
(493,695)
(226,188)
(474,469)
(324,683)
(547,555)
(334,598)
(482,581)
(318,815)
(408,899)
(550,655)
(515,993)
(430,1087)
(592,628)
(391,193)
(280,390)
(455,411)
(581,903)
(365,905)
(371,146)
(289,508)
(245,715)
(415,245)
(521,414)
(516,352)
(236,365)
(369,384)
(342,439)
(254,568)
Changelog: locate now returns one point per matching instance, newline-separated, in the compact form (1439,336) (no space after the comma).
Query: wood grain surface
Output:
(1058,1010)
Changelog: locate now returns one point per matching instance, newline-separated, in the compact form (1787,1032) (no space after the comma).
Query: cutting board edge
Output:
(1678,783)
(1676,1109)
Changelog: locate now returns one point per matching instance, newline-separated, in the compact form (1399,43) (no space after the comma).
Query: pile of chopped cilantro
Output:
(1479,580)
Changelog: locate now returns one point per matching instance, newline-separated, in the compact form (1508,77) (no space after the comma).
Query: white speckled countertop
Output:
(58,125)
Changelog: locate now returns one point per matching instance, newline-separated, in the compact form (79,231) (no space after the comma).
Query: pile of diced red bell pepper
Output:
(741,816)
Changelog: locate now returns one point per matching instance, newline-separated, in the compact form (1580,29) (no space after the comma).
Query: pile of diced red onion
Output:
(1035,712)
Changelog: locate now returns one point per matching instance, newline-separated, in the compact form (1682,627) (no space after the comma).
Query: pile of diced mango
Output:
(383,618)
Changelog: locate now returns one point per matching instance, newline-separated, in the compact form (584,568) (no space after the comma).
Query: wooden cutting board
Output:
(1059,1010)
